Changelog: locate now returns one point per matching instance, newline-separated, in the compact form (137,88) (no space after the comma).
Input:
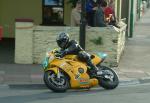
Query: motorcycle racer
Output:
(72,47)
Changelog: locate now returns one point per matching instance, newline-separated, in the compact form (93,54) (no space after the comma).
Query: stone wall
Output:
(107,39)
(44,39)
(23,42)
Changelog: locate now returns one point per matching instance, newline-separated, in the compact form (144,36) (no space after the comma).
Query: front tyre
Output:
(56,84)
(109,79)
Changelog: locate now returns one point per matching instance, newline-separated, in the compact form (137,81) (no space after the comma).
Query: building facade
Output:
(57,12)
(31,9)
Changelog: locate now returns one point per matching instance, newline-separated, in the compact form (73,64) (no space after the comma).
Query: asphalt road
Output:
(139,93)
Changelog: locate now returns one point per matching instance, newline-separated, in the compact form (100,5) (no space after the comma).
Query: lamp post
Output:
(83,24)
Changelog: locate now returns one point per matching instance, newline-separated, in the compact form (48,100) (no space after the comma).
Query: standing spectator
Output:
(76,14)
(99,20)
(91,7)
(109,13)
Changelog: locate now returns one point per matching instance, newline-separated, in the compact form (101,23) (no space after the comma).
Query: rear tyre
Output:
(55,84)
(109,80)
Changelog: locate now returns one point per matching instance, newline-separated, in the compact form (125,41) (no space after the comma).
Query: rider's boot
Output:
(93,69)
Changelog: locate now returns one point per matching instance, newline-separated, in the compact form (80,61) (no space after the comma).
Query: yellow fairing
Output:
(76,70)
(52,69)
(77,80)
(96,59)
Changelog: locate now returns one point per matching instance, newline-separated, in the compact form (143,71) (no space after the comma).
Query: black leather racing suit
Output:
(74,48)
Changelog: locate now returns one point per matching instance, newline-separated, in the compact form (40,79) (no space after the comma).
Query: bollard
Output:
(1,32)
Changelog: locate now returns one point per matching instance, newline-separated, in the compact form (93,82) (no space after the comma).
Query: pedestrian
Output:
(99,20)
(110,14)
(76,14)
(91,7)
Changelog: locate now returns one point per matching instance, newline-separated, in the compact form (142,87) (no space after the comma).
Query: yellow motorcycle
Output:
(61,74)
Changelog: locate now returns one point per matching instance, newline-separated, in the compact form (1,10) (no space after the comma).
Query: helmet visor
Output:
(62,43)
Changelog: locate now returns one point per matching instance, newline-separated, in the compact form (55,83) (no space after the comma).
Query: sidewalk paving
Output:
(133,68)
(21,74)
(135,62)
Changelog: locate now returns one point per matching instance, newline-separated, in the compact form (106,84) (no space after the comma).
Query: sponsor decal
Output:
(63,64)
(84,81)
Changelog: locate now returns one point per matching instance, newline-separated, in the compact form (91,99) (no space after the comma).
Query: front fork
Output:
(58,73)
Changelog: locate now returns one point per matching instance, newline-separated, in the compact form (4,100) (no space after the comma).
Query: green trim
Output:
(131,19)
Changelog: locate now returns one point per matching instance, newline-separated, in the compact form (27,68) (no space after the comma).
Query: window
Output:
(53,12)
(53,2)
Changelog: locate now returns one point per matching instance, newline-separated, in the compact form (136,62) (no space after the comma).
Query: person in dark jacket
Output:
(91,8)
(72,47)
(99,20)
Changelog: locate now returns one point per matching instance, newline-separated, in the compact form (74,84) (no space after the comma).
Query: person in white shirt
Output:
(76,14)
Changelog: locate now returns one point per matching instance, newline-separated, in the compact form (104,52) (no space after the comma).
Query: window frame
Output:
(51,6)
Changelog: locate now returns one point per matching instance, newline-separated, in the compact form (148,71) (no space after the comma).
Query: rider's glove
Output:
(57,54)
(63,53)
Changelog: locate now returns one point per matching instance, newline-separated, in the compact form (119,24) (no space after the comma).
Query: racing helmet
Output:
(62,39)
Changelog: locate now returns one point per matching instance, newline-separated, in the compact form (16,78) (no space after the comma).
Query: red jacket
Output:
(107,11)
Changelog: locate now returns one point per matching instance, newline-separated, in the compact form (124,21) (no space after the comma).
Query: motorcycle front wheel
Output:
(56,84)
(109,79)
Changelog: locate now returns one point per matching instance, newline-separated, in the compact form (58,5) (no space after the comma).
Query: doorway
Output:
(7,48)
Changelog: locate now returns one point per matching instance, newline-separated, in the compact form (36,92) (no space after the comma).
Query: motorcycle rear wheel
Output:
(52,82)
(108,83)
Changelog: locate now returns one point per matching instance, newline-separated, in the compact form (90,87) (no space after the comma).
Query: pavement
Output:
(135,61)
(134,67)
